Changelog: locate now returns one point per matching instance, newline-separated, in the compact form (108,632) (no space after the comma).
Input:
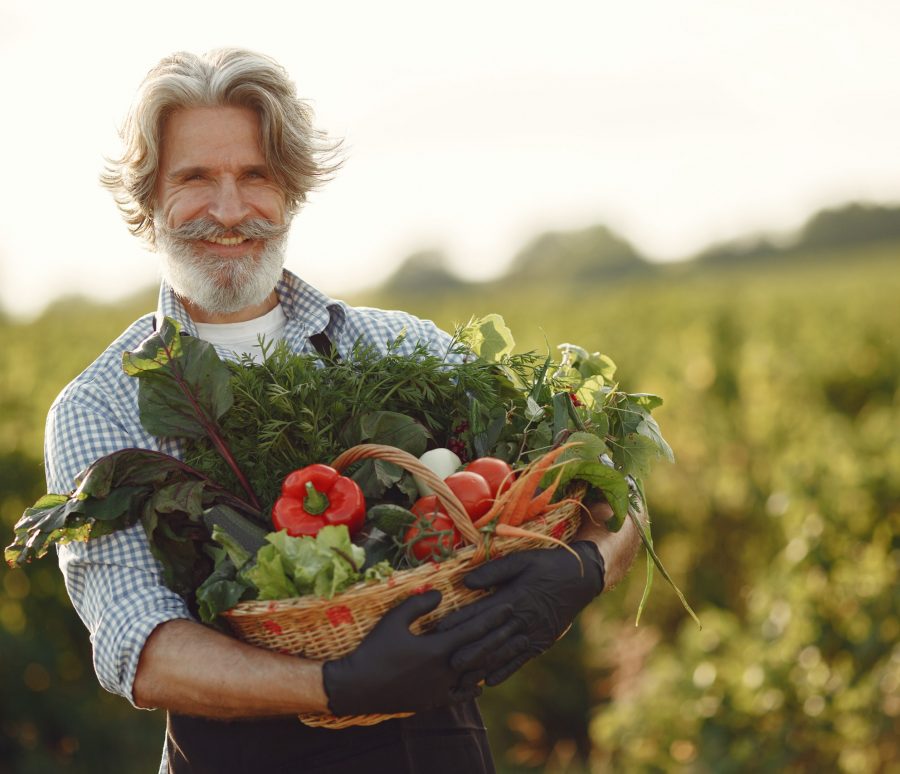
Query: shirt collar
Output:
(307,309)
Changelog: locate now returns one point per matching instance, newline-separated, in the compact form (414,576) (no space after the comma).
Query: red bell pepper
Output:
(316,496)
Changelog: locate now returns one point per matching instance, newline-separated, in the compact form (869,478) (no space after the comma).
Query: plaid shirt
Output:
(114,581)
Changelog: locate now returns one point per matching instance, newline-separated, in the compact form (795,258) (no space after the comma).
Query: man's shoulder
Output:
(104,379)
(380,327)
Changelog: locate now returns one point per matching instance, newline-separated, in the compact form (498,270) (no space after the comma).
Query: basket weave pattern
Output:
(324,629)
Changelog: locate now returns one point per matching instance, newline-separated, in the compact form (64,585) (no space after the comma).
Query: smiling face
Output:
(221,221)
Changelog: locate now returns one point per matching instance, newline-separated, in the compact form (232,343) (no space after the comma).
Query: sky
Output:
(469,127)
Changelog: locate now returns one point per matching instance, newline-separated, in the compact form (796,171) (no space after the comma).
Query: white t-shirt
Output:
(243,337)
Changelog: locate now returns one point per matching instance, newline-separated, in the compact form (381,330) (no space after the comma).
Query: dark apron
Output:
(450,740)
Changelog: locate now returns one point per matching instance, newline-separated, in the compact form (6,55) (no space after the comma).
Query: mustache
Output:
(206,228)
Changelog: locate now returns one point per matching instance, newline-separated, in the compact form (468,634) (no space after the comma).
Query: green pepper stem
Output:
(315,502)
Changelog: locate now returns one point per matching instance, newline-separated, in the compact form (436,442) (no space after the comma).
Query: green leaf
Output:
(291,566)
(561,403)
(48,501)
(591,392)
(646,399)
(644,532)
(184,384)
(597,364)
(393,429)
(180,497)
(223,589)
(490,338)
(650,429)
(118,503)
(634,454)
(610,481)
(269,574)
(533,411)
(589,447)
(378,572)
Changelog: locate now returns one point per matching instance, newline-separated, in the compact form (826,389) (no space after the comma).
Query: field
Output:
(779,520)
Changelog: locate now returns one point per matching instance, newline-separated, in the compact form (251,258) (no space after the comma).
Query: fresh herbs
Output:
(292,410)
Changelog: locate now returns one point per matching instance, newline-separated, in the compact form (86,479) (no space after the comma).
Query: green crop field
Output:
(779,521)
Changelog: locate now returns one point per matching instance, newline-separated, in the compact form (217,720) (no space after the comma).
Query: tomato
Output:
(433,535)
(473,492)
(498,473)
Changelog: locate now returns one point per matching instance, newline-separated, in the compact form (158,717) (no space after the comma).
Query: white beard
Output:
(220,285)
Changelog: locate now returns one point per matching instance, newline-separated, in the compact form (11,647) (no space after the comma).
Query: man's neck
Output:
(242,315)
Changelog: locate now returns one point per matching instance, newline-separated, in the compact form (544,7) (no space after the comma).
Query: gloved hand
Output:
(393,670)
(546,588)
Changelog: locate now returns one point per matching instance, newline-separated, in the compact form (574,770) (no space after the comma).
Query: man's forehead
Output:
(207,136)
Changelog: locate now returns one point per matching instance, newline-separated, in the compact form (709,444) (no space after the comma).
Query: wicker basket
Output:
(325,629)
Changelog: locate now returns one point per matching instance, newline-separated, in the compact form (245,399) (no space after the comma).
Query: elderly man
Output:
(219,154)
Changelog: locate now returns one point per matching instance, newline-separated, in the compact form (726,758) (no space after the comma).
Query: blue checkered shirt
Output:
(114,581)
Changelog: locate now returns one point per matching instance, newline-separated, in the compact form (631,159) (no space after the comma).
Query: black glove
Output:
(393,670)
(546,588)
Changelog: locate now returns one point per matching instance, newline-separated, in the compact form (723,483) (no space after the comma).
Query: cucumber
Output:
(390,519)
(240,530)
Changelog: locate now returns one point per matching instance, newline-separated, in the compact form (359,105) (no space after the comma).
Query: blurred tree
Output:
(851,224)
(423,272)
(593,253)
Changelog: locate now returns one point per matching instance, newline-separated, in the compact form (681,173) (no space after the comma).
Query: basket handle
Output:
(407,461)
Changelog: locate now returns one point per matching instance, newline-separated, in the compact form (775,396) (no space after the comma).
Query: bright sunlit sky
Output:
(470,126)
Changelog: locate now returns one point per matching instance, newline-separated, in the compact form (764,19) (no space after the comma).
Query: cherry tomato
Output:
(433,536)
(473,492)
(498,473)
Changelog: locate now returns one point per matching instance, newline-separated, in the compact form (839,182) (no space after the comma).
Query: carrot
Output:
(538,504)
(515,500)
(507,530)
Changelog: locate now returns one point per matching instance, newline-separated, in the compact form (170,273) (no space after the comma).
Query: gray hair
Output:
(299,157)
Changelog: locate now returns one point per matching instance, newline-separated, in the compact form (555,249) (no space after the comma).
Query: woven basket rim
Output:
(455,509)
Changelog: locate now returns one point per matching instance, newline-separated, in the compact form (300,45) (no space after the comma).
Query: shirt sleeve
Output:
(114,581)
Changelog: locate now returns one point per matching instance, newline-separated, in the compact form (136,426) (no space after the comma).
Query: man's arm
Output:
(191,669)
(618,549)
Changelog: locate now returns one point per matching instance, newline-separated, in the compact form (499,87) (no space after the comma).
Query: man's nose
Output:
(227,205)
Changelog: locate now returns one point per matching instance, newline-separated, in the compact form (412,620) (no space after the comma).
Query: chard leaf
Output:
(184,385)
(117,504)
(180,496)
